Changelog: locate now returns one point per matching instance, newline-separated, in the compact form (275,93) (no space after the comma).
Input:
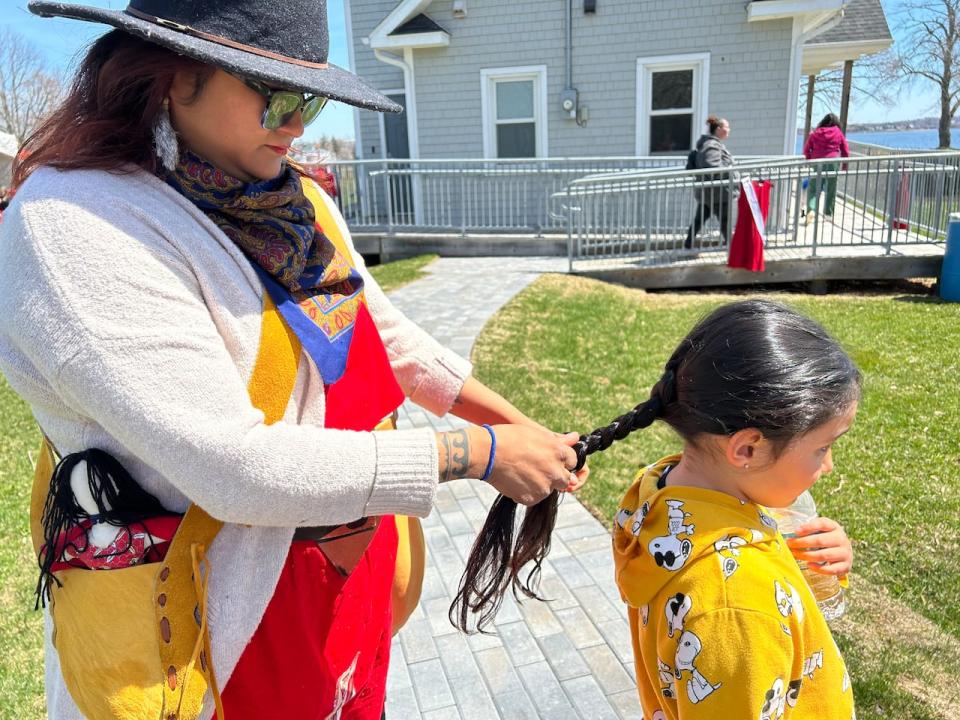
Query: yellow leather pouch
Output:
(133,643)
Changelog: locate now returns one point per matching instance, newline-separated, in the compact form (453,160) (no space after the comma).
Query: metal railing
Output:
(468,197)
(880,203)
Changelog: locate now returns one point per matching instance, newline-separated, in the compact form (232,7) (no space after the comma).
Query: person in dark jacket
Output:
(826,141)
(713,201)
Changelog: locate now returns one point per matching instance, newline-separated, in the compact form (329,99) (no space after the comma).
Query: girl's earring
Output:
(746,466)
(165,139)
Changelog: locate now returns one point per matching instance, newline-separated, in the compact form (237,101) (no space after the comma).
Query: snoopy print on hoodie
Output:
(722,622)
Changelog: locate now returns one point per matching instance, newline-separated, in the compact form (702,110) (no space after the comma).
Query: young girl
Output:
(722,622)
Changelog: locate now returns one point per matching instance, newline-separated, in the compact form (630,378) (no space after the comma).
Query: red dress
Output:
(746,245)
(322,649)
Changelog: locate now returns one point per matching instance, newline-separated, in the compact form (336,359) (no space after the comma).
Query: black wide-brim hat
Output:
(283,44)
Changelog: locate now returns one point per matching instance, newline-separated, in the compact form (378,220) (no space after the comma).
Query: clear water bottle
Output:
(826,588)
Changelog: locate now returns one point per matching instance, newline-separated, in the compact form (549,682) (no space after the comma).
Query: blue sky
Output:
(918,100)
(61,40)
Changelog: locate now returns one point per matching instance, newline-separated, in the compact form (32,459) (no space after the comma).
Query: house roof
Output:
(419,24)
(863,21)
(406,26)
(8,145)
(404,11)
(862,31)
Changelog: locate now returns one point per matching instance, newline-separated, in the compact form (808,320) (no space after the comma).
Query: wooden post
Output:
(808,117)
(845,97)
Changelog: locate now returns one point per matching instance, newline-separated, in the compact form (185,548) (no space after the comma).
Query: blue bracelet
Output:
(493,453)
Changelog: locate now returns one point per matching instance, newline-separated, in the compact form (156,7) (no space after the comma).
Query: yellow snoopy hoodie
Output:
(724,627)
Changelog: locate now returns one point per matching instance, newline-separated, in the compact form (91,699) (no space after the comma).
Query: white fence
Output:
(881,201)
(468,197)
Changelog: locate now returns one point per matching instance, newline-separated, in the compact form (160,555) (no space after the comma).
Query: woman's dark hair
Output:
(749,364)
(106,121)
(829,120)
(714,122)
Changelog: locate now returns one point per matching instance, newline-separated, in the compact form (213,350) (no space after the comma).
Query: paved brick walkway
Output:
(567,658)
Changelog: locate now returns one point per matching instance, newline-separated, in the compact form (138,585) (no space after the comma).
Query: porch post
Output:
(845,97)
(808,116)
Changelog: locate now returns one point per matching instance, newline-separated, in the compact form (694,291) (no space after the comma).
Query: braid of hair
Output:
(643,415)
(497,559)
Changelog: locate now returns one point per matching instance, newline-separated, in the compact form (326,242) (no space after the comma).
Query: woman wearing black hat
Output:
(186,316)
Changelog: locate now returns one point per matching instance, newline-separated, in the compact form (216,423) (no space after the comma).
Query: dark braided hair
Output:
(748,364)
(640,417)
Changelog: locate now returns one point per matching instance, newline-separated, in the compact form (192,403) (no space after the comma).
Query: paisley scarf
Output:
(304,264)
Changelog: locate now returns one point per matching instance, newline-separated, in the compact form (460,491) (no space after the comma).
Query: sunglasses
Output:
(282,104)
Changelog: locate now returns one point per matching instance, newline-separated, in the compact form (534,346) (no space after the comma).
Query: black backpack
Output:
(691,160)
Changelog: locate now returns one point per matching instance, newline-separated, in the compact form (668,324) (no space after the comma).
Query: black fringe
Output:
(120,502)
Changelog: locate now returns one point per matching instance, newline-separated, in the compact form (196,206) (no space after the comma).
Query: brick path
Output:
(567,658)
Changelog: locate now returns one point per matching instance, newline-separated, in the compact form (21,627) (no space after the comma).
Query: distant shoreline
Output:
(916,139)
(928,123)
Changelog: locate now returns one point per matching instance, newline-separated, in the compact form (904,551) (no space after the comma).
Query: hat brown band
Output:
(186,29)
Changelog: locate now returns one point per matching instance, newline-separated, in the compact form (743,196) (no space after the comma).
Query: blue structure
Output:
(950,272)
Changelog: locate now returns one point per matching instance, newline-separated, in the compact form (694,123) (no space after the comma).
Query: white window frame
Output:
(488,104)
(700,64)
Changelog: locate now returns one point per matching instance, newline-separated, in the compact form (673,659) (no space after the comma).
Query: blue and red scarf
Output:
(306,271)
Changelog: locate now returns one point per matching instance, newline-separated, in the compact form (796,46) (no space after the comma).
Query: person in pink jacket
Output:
(826,141)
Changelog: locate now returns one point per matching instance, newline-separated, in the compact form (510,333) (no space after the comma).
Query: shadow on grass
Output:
(928,299)
(908,290)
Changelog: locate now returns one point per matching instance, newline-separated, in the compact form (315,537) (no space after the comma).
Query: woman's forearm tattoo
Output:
(454,455)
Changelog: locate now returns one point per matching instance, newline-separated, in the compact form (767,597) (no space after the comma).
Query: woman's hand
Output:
(530,462)
(824,545)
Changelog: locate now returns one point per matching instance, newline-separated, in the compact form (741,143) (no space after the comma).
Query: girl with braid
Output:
(722,622)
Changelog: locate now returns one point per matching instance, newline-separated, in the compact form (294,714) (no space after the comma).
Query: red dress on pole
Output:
(746,245)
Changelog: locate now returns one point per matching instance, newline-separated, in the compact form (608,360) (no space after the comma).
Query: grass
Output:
(21,659)
(575,353)
(396,274)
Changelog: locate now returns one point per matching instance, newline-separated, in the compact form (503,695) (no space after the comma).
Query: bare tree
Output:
(874,76)
(28,91)
(931,51)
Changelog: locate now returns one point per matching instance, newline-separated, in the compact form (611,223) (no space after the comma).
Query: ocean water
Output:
(900,139)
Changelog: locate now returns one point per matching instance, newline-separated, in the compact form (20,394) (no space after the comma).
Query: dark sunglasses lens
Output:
(281,108)
(312,109)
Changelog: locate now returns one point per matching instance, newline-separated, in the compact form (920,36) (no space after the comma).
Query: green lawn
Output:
(21,659)
(576,353)
(400,272)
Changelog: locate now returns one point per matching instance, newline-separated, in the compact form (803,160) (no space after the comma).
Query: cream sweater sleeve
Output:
(112,314)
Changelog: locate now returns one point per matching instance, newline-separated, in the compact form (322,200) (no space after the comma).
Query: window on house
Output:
(516,122)
(671,111)
(671,104)
(513,108)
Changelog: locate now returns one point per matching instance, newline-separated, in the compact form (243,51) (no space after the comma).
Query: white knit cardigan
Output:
(129,322)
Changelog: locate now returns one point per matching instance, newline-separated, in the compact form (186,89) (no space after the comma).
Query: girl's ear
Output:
(745,448)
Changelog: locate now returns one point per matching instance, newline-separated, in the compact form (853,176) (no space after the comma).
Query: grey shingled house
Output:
(575,78)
